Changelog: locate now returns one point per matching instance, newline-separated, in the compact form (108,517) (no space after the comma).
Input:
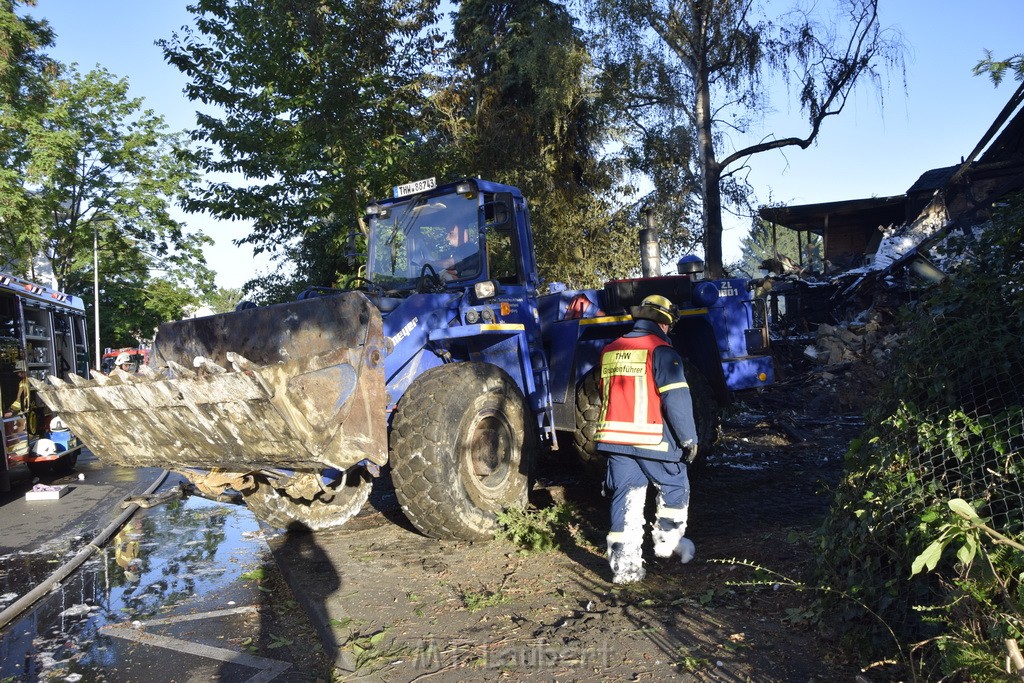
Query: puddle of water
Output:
(171,557)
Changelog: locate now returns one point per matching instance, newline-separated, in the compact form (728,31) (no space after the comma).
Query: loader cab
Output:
(430,238)
(453,272)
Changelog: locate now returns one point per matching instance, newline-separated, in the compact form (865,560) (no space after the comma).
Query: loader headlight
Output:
(472,316)
(487,315)
(485,289)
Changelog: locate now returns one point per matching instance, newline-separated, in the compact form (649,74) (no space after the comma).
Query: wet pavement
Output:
(182,592)
(95,492)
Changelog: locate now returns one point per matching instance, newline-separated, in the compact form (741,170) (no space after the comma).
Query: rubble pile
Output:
(851,360)
(870,343)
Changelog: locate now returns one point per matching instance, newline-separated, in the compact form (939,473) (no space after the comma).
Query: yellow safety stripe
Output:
(626,438)
(503,326)
(629,433)
(660,447)
(629,427)
(606,319)
(670,387)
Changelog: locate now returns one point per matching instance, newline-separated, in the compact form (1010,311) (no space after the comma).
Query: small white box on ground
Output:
(46,492)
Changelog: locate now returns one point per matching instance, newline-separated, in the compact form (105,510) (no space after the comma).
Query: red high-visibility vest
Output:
(631,405)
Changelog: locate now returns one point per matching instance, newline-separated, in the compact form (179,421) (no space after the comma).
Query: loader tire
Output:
(588,410)
(278,509)
(462,443)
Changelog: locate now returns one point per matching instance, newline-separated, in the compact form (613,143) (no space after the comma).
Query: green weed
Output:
(475,601)
(539,530)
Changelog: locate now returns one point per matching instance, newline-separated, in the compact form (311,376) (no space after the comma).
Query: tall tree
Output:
(312,108)
(24,94)
(133,298)
(224,299)
(93,163)
(103,165)
(529,115)
(692,75)
(22,64)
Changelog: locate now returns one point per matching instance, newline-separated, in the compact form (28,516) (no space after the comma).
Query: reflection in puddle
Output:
(180,557)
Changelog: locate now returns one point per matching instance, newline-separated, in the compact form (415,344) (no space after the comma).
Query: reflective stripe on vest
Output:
(631,406)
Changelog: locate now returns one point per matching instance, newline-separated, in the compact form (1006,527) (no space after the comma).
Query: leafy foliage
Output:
(83,160)
(104,169)
(525,112)
(950,427)
(24,73)
(102,162)
(474,601)
(314,109)
(997,69)
(224,299)
(311,109)
(537,530)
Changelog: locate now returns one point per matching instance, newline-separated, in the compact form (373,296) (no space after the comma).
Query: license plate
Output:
(415,187)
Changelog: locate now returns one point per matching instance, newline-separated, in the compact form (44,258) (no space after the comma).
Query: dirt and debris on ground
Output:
(400,607)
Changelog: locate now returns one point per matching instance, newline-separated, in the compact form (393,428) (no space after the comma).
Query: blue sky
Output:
(877,147)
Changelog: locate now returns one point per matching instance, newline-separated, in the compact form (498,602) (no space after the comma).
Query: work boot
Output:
(669,540)
(625,559)
(685,550)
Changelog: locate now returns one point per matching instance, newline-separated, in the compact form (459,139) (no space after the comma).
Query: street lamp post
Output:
(96,291)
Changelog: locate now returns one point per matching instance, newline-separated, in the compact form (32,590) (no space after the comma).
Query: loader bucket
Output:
(295,386)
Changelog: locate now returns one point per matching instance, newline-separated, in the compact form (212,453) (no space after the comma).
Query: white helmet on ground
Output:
(44,447)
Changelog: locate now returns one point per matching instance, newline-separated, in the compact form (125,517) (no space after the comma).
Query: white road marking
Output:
(267,669)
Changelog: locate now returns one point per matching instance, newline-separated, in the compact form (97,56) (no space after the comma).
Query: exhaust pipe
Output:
(650,249)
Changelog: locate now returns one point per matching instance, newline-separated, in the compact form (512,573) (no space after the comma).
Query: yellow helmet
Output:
(657,308)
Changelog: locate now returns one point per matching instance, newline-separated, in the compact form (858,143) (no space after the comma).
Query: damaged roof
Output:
(818,218)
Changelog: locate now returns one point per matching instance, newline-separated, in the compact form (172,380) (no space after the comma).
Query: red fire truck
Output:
(42,334)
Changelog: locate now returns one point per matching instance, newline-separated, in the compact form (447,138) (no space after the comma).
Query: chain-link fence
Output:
(949,426)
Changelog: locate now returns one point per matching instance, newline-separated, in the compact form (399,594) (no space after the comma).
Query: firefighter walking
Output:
(646,429)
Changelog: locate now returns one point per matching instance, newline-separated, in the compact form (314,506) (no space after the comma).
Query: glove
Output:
(690,453)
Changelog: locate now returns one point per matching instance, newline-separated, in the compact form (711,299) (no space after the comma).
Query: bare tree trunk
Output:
(713,266)
(711,174)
